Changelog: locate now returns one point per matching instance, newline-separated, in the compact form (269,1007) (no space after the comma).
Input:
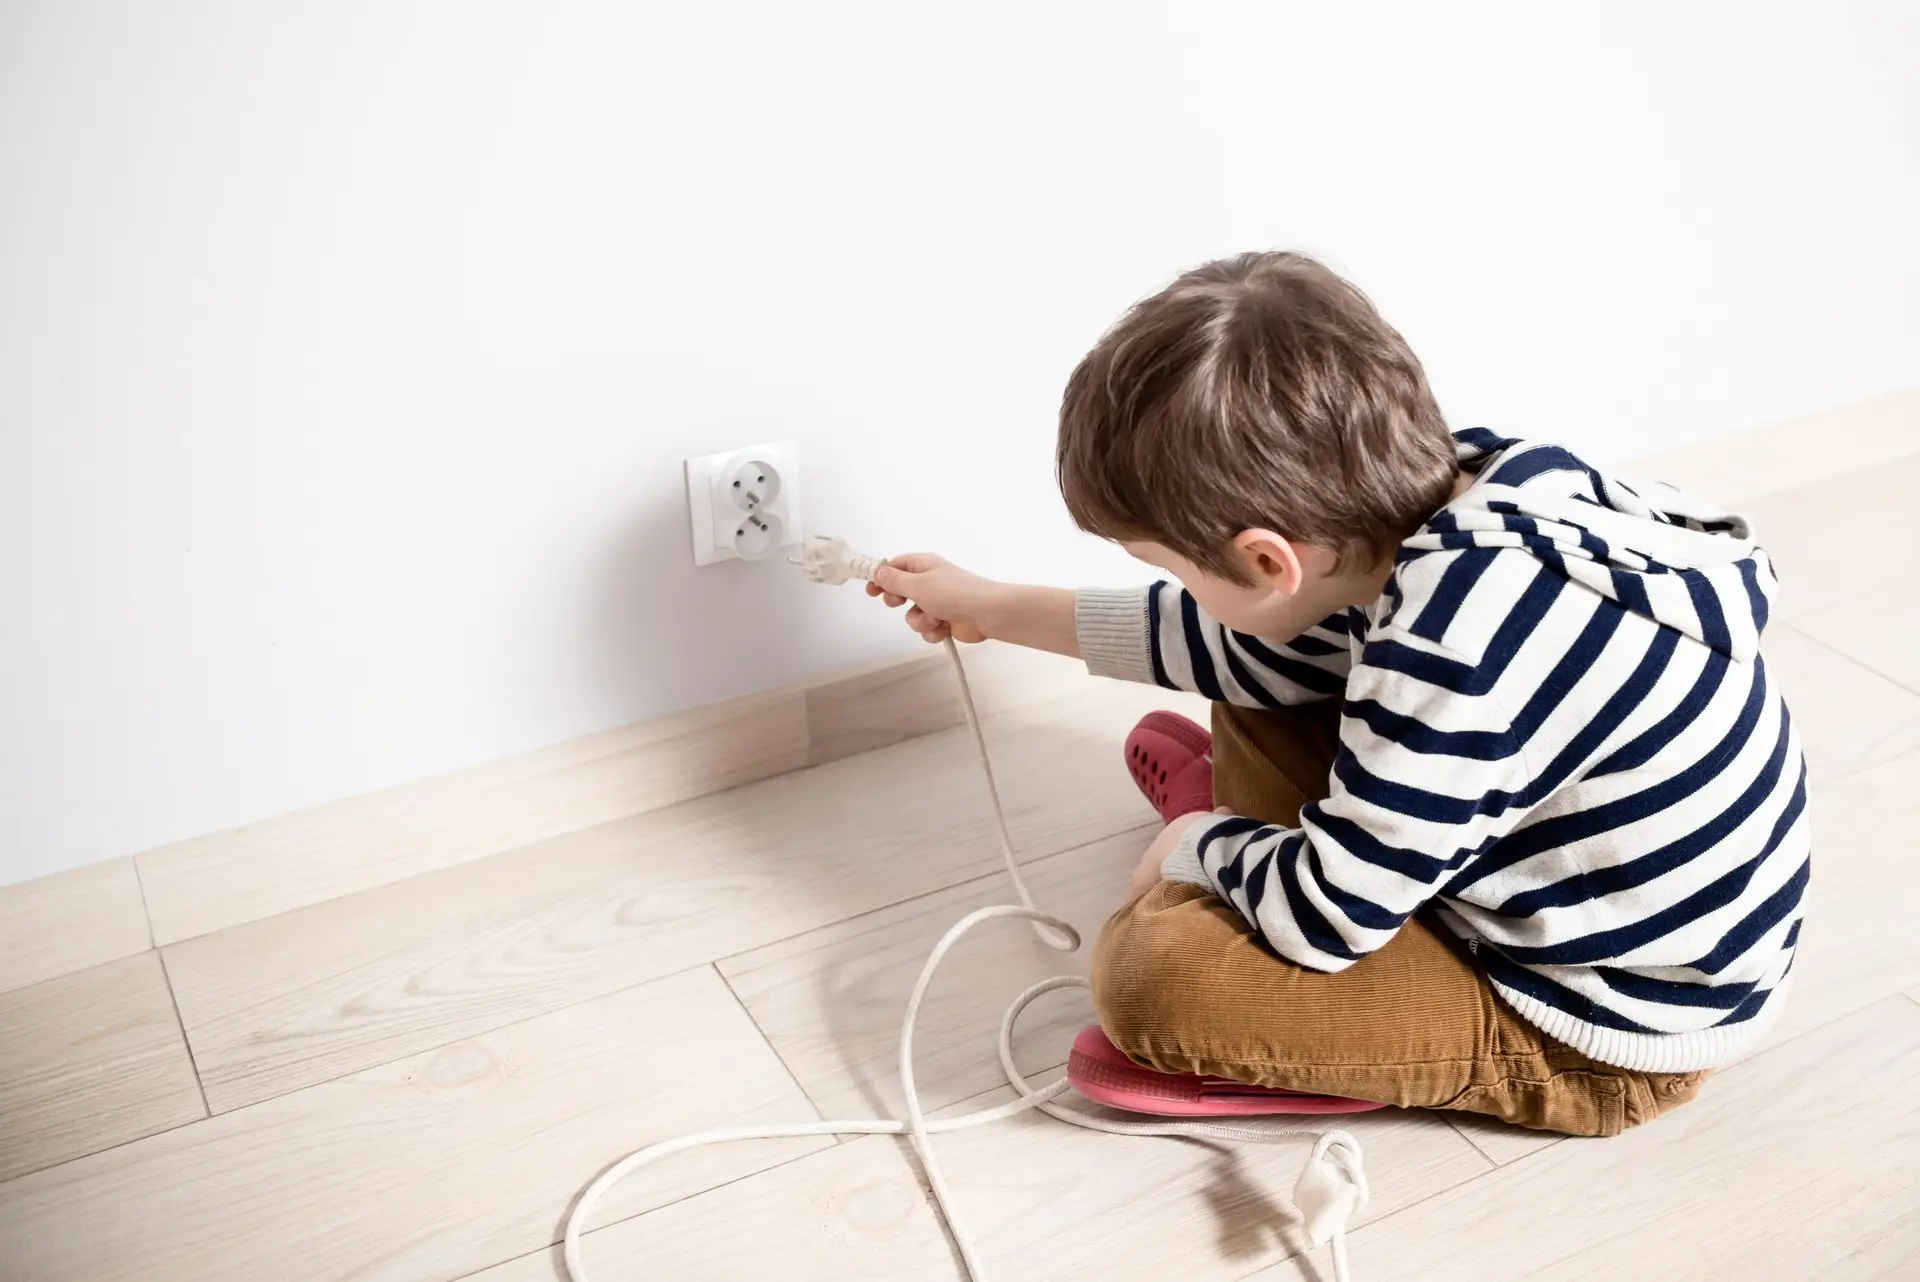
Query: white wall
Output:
(348,351)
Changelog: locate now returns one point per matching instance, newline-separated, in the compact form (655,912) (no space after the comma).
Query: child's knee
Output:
(1153,962)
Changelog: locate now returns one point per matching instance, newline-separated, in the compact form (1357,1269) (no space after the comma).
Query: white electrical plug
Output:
(1331,1188)
(826,559)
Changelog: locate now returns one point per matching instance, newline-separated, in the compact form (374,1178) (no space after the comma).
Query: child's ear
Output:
(1272,560)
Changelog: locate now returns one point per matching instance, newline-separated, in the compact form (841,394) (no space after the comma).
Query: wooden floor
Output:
(413,1081)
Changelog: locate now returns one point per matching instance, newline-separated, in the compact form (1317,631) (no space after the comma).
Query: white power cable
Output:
(1049,934)
(1332,1184)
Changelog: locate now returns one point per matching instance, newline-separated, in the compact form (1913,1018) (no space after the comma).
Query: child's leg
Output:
(1184,985)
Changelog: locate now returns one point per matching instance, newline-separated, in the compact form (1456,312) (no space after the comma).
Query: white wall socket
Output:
(744,504)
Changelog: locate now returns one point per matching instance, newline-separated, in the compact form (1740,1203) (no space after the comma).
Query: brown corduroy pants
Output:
(1182,984)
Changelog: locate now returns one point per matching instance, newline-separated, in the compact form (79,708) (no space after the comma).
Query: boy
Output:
(1512,819)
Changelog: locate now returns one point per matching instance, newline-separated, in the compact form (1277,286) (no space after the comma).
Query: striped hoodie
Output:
(1557,728)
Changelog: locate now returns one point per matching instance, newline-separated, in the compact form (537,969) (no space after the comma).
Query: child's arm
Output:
(950,601)
(1159,635)
(1429,775)
(1156,635)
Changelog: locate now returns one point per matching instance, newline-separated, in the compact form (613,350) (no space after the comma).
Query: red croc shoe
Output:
(1171,761)
(1099,1071)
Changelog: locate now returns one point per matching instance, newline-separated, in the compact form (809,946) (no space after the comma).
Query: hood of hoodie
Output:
(1670,556)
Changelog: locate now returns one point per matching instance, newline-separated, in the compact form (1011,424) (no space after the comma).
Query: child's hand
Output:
(947,600)
(1147,873)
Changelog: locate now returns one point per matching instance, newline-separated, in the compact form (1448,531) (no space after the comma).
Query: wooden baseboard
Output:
(245,874)
(68,921)
(898,699)
(1802,451)
(73,920)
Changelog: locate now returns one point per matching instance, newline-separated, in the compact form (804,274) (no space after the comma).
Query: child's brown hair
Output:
(1257,392)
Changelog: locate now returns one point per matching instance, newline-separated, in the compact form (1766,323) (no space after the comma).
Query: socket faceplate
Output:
(718,517)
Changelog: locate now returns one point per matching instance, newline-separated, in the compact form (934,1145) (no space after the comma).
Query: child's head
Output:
(1252,427)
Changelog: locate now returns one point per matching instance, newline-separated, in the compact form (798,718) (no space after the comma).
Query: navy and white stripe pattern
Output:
(1557,726)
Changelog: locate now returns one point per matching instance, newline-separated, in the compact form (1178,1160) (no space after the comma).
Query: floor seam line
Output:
(1025,863)
(173,1000)
(186,1042)
(140,884)
(672,974)
(1470,1141)
(819,1115)
(637,1215)
(81,1157)
(1862,664)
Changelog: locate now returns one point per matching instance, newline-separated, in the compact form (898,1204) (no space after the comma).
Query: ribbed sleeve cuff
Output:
(1183,861)
(1112,627)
